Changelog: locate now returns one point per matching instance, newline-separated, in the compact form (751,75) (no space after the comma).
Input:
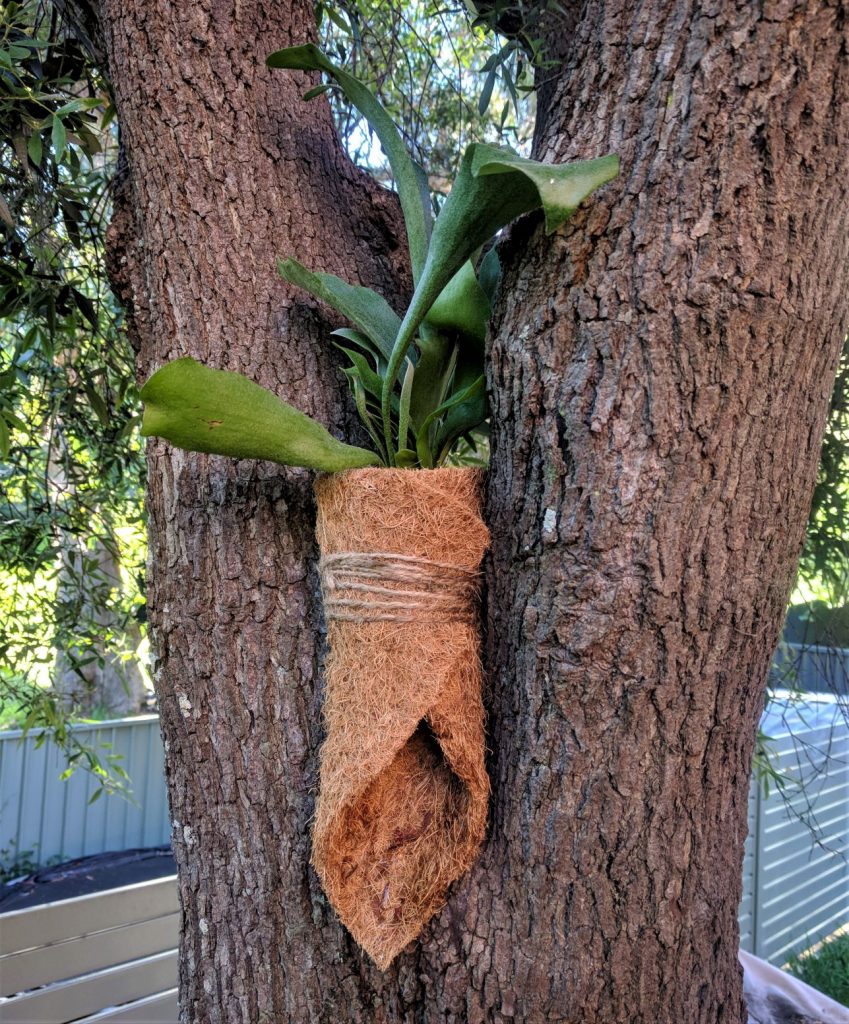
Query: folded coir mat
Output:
(403,795)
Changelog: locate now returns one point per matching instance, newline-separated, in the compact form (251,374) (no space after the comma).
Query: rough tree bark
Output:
(659,378)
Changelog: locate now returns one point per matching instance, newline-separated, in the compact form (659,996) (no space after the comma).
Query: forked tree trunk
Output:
(659,379)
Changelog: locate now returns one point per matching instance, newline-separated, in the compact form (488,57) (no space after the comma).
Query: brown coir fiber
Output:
(402,804)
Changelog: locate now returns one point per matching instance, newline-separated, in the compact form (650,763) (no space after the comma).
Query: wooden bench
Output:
(109,956)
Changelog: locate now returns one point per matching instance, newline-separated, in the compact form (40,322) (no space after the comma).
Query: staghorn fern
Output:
(417,380)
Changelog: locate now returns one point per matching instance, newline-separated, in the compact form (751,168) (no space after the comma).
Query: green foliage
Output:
(520,22)
(439,341)
(432,72)
(825,623)
(15,863)
(493,187)
(824,565)
(71,471)
(218,411)
(764,765)
(826,968)
(462,306)
(42,711)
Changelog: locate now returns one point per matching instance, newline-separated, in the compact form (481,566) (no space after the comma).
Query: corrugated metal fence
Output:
(48,820)
(811,668)
(796,867)
(794,889)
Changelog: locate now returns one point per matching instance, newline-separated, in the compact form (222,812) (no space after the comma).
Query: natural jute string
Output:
(384,587)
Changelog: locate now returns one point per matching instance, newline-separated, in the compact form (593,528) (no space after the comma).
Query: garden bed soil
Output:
(86,875)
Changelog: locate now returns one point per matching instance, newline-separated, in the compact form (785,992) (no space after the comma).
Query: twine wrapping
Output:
(388,587)
(403,791)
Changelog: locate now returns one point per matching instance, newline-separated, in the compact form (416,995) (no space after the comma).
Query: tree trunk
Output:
(227,169)
(659,380)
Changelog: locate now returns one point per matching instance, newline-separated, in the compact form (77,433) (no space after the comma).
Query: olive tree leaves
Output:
(417,380)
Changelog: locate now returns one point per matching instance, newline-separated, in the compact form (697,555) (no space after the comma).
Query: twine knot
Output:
(363,586)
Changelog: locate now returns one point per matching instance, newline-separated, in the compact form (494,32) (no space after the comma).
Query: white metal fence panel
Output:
(796,884)
(106,956)
(51,819)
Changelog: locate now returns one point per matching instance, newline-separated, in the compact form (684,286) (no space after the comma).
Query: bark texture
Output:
(659,379)
(227,169)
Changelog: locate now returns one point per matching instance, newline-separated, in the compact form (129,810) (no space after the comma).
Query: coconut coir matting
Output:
(403,796)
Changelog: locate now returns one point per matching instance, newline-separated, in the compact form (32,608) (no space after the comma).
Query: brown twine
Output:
(385,586)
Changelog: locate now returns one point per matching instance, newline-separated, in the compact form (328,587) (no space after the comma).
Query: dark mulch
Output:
(87,875)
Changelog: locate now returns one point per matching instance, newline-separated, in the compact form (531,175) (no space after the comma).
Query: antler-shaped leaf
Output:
(493,187)
(224,413)
(410,179)
(367,310)
(462,306)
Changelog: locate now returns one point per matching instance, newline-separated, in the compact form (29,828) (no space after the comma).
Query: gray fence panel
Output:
(155,801)
(11,770)
(114,824)
(53,805)
(747,903)
(47,818)
(812,668)
(798,890)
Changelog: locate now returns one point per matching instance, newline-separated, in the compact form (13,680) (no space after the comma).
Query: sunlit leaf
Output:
(59,139)
(224,413)
(34,148)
